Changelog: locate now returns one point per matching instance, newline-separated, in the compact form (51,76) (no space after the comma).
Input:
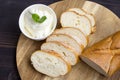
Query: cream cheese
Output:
(34,29)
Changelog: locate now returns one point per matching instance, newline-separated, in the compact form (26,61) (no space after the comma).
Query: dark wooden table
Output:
(9,31)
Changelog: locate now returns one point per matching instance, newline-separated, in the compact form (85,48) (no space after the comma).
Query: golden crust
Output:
(115,65)
(107,49)
(116,41)
(93,29)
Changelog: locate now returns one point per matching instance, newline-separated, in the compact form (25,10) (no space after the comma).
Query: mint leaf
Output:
(35,17)
(42,19)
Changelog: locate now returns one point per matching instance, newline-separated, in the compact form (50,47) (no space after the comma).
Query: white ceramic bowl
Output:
(22,22)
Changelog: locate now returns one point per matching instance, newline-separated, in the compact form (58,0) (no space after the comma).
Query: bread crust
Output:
(115,65)
(111,44)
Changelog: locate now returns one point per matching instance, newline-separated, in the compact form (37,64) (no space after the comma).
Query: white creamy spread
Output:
(34,29)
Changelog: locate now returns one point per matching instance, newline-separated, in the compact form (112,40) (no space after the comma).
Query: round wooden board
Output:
(106,23)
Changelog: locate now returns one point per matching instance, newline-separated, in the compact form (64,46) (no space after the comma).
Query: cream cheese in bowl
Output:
(37,21)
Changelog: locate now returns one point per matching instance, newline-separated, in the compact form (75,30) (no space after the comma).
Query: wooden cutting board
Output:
(106,23)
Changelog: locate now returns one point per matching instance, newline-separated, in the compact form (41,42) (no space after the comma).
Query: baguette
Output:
(66,53)
(49,63)
(67,41)
(75,33)
(90,16)
(72,19)
(104,56)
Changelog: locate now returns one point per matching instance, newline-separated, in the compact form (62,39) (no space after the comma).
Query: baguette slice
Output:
(67,41)
(67,54)
(49,63)
(90,16)
(71,19)
(75,34)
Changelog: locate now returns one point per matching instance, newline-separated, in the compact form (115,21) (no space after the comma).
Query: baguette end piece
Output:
(93,65)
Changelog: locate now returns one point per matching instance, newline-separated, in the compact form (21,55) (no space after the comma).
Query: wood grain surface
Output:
(107,23)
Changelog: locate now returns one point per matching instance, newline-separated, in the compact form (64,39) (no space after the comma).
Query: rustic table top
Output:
(9,31)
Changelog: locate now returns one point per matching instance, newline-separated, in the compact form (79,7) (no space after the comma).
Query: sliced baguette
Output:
(75,34)
(67,41)
(78,10)
(72,19)
(49,63)
(66,53)
(104,56)
(90,16)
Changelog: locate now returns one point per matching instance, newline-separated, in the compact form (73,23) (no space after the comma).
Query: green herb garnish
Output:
(42,19)
(37,18)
